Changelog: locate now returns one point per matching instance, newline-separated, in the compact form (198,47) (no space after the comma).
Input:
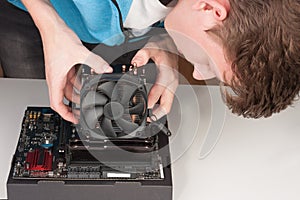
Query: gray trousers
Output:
(21,51)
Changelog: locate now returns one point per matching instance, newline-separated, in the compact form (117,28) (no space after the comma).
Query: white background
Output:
(253,159)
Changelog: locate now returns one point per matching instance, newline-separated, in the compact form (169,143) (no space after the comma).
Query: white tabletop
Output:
(251,159)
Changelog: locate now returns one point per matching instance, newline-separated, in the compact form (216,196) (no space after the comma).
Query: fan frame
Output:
(92,82)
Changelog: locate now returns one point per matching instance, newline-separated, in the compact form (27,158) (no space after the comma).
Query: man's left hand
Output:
(163,52)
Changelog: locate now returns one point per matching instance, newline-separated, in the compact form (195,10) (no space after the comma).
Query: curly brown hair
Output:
(262,39)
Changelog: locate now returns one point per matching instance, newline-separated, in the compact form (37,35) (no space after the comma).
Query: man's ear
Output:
(219,8)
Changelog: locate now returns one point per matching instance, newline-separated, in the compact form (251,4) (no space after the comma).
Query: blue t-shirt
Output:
(94,21)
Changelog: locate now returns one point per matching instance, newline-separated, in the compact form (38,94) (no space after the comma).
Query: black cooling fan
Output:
(113,105)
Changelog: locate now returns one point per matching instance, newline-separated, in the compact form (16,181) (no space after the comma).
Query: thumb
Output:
(98,64)
(141,57)
(158,112)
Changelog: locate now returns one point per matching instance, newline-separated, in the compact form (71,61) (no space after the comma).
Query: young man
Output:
(53,38)
(252,46)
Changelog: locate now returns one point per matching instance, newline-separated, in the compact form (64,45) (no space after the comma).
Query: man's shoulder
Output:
(144,13)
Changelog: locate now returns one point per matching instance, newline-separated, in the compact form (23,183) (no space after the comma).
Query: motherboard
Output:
(119,149)
(51,148)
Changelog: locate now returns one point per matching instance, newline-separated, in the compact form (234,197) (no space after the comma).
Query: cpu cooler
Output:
(113,106)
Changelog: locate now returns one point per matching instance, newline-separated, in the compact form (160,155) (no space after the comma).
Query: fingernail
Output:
(108,69)
(137,60)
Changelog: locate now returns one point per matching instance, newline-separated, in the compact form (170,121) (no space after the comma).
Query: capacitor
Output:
(123,69)
(19,164)
(51,174)
(18,168)
(135,71)
(143,76)
(27,165)
(30,127)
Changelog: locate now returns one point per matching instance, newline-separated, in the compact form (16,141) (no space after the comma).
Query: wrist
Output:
(44,15)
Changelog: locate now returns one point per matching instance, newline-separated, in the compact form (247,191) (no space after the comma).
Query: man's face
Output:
(188,27)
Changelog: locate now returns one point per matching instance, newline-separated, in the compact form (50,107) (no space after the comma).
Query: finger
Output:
(76,113)
(97,63)
(154,94)
(159,112)
(56,94)
(76,83)
(166,100)
(165,105)
(168,78)
(141,57)
(64,111)
(74,79)
(71,94)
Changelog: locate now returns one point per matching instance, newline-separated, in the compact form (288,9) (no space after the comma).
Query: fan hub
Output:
(113,110)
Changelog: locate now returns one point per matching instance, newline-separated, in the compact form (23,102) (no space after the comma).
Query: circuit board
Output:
(51,148)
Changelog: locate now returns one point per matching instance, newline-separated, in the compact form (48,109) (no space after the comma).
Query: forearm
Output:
(44,15)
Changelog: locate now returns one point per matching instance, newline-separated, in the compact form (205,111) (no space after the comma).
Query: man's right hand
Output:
(62,51)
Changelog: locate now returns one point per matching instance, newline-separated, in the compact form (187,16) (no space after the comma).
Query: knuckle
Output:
(52,107)
(168,109)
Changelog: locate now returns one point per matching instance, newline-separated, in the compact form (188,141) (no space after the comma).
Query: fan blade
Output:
(91,116)
(107,128)
(107,88)
(93,99)
(137,109)
(127,126)
(127,93)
